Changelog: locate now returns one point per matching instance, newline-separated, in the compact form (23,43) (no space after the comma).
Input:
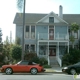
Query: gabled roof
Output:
(35,17)
(52,13)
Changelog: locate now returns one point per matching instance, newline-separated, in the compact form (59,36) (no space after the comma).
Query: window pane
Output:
(33,48)
(32,28)
(27,32)
(76,35)
(51,19)
(27,28)
(32,32)
(27,47)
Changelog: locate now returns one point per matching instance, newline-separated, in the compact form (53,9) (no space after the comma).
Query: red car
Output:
(22,67)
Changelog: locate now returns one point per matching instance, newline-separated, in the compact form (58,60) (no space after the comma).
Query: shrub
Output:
(30,56)
(46,66)
(16,51)
(72,57)
(43,61)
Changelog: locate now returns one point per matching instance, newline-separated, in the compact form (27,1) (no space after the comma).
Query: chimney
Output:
(61,11)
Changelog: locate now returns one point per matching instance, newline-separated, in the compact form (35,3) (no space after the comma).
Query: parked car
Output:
(72,69)
(22,67)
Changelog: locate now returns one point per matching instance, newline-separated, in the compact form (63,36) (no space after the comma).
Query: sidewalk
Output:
(54,69)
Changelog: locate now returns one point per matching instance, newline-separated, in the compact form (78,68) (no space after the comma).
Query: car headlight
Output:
(65,67)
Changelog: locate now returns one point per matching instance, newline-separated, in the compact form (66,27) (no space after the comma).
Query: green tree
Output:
(17,41)
(6,47)
(74,27)
(16,52)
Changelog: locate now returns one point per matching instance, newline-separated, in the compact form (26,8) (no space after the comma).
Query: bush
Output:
(43,61)
(46,66)
(16,51)
(72,57)
(30,56)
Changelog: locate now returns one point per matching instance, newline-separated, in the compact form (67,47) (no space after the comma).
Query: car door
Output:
(21,67)
(78,67)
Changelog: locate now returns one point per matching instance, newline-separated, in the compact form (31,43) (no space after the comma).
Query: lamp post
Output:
(23,30)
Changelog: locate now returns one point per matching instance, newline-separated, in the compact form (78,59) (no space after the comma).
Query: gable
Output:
(47,17)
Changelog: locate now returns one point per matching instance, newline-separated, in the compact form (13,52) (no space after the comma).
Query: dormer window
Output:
(51,19)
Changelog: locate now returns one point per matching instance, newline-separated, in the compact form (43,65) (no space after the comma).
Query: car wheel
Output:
(8,71)
(73,71)
(33,71)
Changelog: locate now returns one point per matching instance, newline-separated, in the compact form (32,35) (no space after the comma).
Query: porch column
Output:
(38,49)
(68,46)
(48,55)
(58,48)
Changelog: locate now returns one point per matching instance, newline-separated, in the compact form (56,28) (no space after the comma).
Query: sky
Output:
(8,9)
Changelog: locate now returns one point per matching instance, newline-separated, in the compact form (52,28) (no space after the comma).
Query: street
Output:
(40,76)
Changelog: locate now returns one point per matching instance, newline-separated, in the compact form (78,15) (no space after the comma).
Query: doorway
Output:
(52,51)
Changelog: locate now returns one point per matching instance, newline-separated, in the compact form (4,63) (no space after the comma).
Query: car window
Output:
(24,63)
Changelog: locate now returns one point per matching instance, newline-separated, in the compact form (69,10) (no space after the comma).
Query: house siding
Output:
(19,32)
(42,29)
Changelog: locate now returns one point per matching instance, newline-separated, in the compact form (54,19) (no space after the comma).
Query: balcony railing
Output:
(46,36)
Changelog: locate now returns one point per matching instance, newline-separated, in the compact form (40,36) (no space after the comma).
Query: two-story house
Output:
(46,34)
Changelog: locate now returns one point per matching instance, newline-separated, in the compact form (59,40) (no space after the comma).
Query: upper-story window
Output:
(27,32)
(51,19)
(30,32)
(76,35)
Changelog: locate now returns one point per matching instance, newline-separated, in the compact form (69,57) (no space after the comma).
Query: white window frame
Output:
(30,32)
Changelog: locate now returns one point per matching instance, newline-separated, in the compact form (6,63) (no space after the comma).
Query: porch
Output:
(52,49)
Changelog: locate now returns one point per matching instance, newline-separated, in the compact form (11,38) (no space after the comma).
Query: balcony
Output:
(47,36)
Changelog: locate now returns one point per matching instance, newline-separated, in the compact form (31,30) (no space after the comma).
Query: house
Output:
(47,34)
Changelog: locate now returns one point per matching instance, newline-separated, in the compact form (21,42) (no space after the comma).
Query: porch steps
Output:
(53,61)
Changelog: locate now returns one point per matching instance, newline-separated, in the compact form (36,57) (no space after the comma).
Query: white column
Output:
(58,49)
(38,36)
(38,49)
(48,55)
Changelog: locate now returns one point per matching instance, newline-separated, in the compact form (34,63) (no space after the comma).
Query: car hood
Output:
(74,65)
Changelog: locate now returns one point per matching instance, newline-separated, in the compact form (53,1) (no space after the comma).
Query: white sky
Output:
(8,10)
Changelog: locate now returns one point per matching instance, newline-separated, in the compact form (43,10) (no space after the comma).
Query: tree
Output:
(6,47)
(17,41)
(74,27)
(0,35)
(16,52)
(1,44)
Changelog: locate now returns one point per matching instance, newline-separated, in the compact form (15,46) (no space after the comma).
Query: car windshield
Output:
(19,62)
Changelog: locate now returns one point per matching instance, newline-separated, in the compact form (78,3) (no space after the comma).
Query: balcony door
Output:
(51,32)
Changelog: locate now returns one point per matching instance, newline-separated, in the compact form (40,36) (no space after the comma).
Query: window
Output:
(32,32)
(24,63)
(27,32)
(27,47)
(51,19)
(30,47)
(76,35)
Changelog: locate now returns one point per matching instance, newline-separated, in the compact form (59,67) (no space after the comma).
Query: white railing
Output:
(45,36)
(59,61)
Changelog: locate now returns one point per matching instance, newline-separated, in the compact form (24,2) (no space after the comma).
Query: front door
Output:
(52,51)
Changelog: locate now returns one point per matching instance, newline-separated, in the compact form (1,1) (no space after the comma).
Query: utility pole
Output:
(23,30)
